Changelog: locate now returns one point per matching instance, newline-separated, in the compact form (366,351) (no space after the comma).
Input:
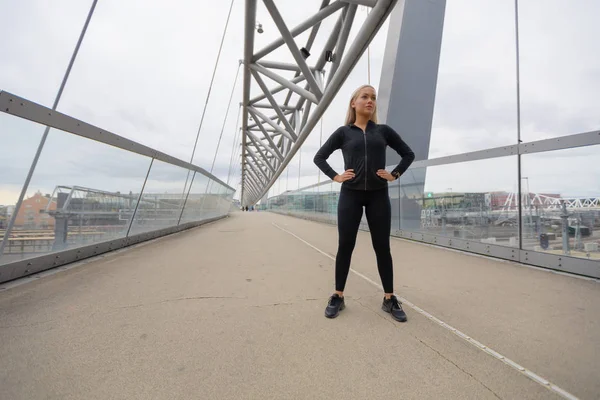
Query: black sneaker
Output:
(393,306)
(335,305)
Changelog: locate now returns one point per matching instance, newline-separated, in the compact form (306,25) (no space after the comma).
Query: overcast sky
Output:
(144,71)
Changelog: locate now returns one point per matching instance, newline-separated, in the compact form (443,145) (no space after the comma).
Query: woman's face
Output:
(365,103)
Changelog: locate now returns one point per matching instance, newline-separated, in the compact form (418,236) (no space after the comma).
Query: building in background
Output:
(30,215)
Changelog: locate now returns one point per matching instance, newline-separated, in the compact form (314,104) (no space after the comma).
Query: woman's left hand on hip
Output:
(382,173)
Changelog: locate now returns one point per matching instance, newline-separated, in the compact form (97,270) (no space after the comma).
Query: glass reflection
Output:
(561,202)
(162,201)
(194,204)
(82,192)
(24,138)
(459,200)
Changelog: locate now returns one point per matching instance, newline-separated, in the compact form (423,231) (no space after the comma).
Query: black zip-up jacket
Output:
(364,152)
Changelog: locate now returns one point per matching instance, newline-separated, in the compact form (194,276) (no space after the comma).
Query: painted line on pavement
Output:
(531,375)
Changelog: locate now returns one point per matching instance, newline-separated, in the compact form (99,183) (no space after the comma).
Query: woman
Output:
(364,184)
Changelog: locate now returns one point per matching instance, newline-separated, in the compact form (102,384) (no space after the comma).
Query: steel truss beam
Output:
(270,143)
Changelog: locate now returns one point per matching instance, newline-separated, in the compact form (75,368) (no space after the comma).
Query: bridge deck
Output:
(234,309)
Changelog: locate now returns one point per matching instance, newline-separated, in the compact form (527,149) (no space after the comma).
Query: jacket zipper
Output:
(366,167)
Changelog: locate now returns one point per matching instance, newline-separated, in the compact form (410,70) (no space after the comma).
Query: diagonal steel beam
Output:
(273,149)
(251,182)
(305,116)
(274,117)
(254,184)
(281,106)
(271,99)
(276,90)
(282,134)
(282,143)
(291,43)
(285,82)
(259,174)
(368,3)
(340,46)
(254,161)
(315,19)
(283,66)
(331,40)
(261,163)
(252,194)
(251,187)
(258,159)
(254,180)
(316,27)
(257,129)
(364,37)
(258,115)
(309,43)
(272,135)
(257,178)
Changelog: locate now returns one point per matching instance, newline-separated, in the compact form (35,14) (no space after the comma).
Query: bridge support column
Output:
(407,93)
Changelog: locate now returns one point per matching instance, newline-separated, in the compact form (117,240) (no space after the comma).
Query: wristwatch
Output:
(396,174)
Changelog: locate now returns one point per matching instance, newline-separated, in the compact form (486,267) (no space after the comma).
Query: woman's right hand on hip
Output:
(347,175)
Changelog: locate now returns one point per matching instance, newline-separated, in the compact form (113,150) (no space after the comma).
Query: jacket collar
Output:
(370,124)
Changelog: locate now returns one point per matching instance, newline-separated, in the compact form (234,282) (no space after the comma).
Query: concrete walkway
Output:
(234,310)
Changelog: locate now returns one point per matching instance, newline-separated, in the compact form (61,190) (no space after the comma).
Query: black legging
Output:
(379,212)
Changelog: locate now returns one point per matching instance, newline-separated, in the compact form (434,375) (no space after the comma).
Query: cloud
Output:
(144,71)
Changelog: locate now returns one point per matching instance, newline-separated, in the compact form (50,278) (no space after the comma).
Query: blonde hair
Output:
(351,114)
